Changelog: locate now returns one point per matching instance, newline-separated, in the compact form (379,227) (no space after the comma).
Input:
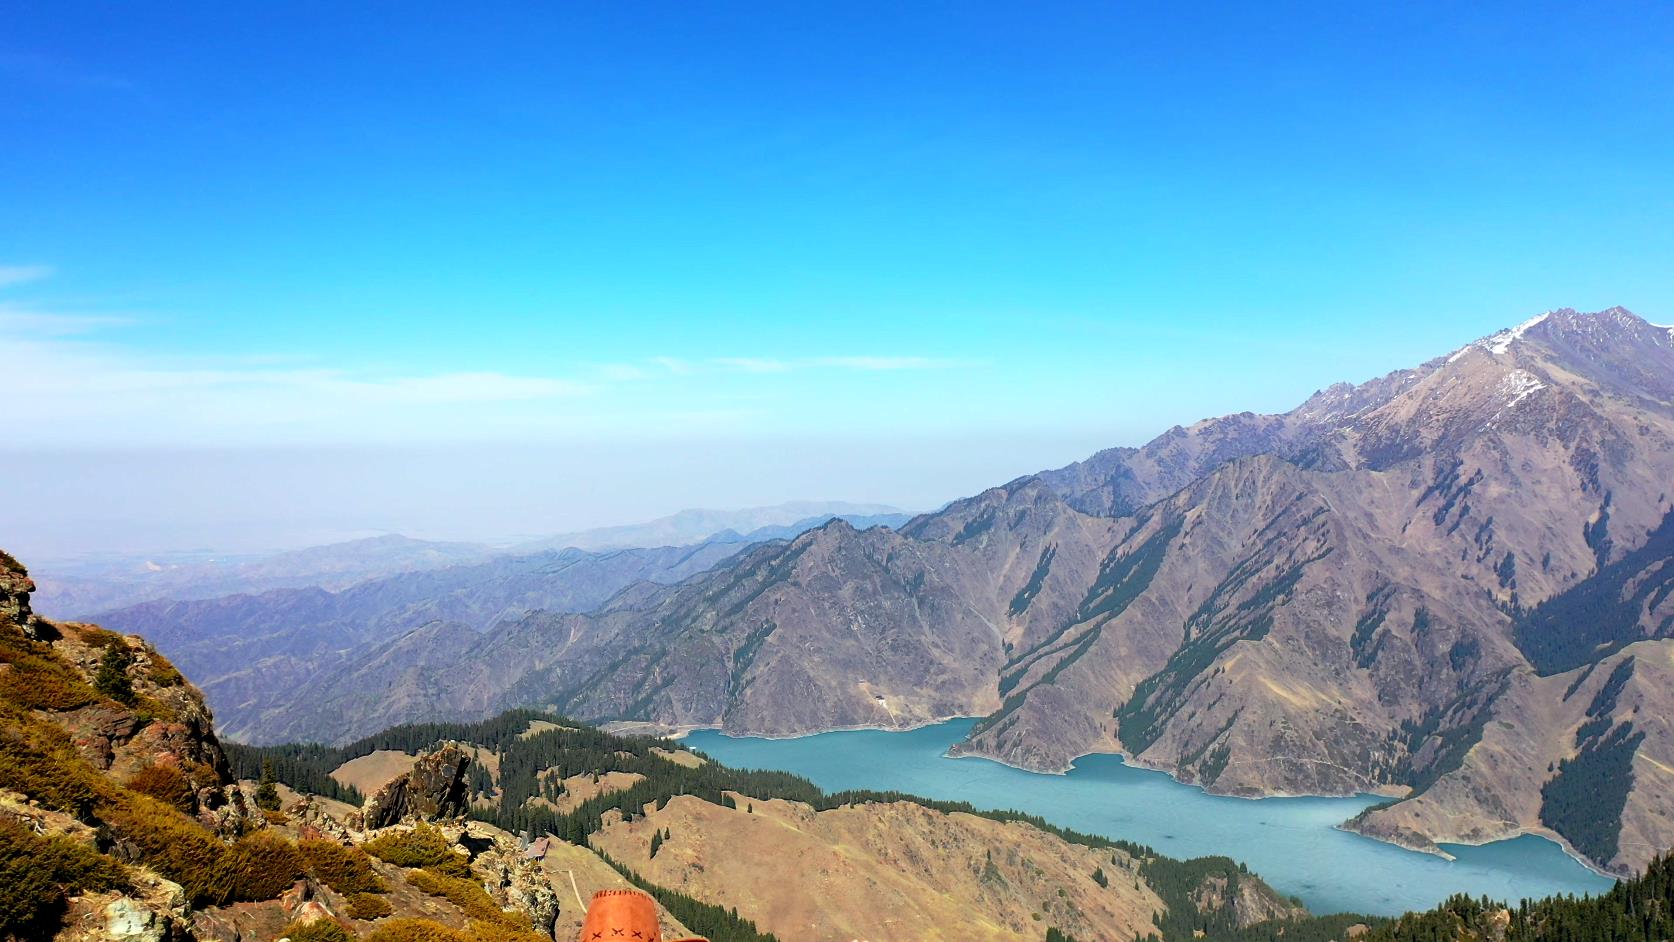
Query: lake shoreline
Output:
(1170,819)
(679,733)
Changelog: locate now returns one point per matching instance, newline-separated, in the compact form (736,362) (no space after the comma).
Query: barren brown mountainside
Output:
(1408,585)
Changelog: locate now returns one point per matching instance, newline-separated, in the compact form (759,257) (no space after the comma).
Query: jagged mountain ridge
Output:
(1321,601)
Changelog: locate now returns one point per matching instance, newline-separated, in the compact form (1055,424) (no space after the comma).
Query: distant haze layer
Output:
(253,500)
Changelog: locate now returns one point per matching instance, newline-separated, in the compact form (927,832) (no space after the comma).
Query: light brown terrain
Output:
(884,871)
(369,773)
(577,873)
(679,757)
(579,789)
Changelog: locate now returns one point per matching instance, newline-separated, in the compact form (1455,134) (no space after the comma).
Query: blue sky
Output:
(676,254)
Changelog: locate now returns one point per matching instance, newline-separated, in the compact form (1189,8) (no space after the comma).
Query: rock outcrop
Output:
(513,878)
(435,787)
(15,586)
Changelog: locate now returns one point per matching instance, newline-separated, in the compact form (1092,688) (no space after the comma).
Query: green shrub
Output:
(178,848)
(38,760)
(503,932)
(466,894)
(368,906)
(423,846)
(167,784)
(345,869)
(36,678)
(267,790)
(112,678)
(37,873)
(316,930)
(95,637)
(261,866)
(415,930)
(164,673)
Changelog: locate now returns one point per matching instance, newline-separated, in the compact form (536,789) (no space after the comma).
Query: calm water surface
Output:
(1292,842)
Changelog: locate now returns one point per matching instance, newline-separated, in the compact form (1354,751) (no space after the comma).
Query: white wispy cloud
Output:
(621,372)
(77,386)
(888,363)
(23,274)
(753,364)
(863,363)
(21,319)
(84,380)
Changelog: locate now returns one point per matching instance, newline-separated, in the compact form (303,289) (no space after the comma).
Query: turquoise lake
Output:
(1292,842)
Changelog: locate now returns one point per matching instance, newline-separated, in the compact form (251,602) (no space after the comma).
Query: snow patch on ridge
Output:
(1501,342)
(1498,343)
(1519,385)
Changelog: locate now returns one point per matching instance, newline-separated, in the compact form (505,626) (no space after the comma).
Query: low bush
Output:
(112,678)
(38,760)
(164,673)
(37,874)
(33,676)
(368,906)
(466,894)
(503,932)
(178,848)
(423,846)
(415,930)
(345,869)
(167,784)
(261,866)
(316,930)
(95,637)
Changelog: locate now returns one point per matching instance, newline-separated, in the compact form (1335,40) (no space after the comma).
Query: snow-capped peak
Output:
(1500,342)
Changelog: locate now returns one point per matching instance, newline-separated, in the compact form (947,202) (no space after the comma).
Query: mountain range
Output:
(124,819)
(1450,585)
(82,587)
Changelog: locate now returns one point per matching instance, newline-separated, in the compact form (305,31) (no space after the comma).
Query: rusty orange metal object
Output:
(623,916)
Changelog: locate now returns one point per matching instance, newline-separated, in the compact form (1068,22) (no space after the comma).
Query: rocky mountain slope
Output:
(1331,600)
(1363,593)
(123,819)
(239,646)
